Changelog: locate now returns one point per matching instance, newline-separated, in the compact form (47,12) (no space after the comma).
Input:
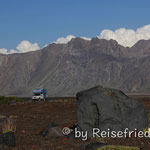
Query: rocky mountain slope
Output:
(65,69)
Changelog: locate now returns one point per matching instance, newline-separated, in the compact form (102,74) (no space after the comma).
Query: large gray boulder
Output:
(107,108)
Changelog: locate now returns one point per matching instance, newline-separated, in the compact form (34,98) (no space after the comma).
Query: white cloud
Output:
(23,47)
(12,51)
(86,38)
(26,46)
(3,51)
(126,37)
(45,45)
(64,40)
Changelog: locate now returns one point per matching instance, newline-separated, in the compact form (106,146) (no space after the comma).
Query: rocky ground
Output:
(32,117)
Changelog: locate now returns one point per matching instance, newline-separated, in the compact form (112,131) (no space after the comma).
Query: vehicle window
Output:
(36,94)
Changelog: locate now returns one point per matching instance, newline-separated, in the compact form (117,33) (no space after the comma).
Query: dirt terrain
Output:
(33,116)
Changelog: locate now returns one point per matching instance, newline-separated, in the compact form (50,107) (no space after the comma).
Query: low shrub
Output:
(7,100)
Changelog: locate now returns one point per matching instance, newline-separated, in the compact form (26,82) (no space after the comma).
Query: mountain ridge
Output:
(65,69)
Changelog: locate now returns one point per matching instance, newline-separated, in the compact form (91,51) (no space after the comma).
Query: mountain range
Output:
(65,69)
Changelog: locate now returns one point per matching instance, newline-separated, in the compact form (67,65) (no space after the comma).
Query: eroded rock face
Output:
(107,108)
(57,67)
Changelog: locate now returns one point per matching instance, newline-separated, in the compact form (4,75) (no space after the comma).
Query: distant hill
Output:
(65,69)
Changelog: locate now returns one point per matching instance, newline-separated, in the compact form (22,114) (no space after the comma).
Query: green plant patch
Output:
(7,100)
(114,147)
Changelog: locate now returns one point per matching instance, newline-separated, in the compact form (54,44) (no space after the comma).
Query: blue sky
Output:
(43,21)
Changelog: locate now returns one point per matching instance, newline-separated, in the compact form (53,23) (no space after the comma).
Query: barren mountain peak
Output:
(65,69)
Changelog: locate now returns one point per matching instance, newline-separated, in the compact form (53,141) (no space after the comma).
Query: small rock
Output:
(51,130)
(8,139)
(7,124)
(50,125)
